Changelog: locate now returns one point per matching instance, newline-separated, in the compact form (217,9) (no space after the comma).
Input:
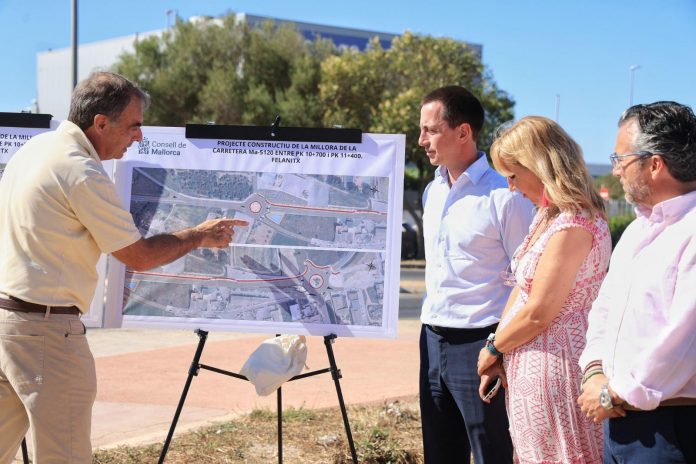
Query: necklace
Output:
(540,226)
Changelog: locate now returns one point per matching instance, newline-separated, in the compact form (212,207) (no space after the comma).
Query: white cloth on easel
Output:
(274,362)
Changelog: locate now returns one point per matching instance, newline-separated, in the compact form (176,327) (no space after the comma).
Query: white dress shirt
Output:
(471,231)
(642,326)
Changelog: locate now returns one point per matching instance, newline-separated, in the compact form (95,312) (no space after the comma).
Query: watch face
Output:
(605,399)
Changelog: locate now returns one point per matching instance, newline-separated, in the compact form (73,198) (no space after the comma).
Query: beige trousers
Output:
(48,381)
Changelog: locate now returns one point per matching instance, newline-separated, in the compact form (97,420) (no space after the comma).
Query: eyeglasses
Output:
(615,159)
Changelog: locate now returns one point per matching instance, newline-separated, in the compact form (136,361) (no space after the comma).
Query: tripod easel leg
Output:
(279,401)
(336,375)
(25,452)
(193,370)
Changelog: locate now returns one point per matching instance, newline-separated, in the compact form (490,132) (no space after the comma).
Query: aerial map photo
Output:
(313,251)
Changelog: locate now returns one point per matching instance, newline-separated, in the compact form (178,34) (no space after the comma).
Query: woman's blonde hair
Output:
(543,147)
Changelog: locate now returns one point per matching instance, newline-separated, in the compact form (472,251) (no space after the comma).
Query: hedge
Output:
(617,224)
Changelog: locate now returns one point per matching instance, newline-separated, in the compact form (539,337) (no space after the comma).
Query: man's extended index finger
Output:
(234,222)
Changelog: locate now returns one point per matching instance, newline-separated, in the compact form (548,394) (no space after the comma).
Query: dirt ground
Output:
(382,433)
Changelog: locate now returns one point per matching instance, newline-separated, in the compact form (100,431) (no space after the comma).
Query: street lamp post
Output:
(168,14)
(631,71)
(73,4)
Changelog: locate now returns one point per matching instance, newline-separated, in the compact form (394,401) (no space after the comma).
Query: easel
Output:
(196,366)
(25,120)
(289,134)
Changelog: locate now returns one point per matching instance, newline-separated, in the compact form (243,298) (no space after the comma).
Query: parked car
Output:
(409,241)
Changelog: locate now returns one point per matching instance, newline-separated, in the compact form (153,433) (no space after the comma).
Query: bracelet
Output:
(493,351)
(590,374)
(597,363)
(591,371)
(491,347)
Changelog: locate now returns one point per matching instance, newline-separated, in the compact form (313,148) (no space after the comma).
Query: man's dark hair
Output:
(458,106)
(103,93)
(667,129)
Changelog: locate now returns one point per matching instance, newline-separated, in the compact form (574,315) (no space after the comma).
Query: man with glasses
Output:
(58,211)
(640,359)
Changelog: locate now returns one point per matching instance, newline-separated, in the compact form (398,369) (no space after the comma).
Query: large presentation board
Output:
(320,254)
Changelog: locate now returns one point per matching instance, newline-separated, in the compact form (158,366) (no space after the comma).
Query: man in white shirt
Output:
(472,226)
(640,357)
(58,211)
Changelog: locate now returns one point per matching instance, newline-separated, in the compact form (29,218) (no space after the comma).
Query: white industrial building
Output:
(54,67)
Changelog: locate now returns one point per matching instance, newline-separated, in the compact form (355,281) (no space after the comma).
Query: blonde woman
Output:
(556,273)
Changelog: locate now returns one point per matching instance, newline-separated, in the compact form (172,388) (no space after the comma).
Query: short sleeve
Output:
(98,207)
(597,227)
(596,264)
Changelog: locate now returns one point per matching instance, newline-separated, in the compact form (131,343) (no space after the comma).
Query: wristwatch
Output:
(491,346)
(605,397)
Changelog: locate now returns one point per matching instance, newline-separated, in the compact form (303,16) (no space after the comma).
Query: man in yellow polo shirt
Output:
(58,212)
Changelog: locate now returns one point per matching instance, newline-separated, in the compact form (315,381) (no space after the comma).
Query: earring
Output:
(544,199)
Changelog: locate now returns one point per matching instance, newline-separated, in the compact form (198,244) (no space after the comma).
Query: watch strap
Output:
(491,347)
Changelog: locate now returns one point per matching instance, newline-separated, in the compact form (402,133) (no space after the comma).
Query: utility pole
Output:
(631,71)
(168,14)
(74,43)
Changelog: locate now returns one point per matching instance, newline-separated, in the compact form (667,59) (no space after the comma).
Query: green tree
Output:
(221,70)
(224,71)
(612,183)
(380,91)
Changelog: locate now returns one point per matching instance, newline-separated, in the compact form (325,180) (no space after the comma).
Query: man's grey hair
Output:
(667,129)
(104,93)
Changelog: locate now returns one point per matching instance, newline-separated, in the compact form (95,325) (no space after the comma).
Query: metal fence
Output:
(619,207)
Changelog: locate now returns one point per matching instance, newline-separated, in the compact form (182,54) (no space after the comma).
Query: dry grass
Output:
(384,433)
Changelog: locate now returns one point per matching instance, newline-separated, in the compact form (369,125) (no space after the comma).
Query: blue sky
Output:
(578,50)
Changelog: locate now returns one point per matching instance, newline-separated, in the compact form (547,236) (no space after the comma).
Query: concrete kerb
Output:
(413,264)
(412,286)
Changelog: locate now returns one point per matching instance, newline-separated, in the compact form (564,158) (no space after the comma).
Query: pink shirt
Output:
(643,323)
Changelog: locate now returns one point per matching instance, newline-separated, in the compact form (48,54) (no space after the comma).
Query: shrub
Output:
(617,225)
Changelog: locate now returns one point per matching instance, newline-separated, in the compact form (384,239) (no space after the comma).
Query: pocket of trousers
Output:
(77,328)
(22,362)
(76,338)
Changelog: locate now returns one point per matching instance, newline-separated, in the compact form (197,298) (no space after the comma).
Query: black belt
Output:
(668,403)
(15,304)
(483,331)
